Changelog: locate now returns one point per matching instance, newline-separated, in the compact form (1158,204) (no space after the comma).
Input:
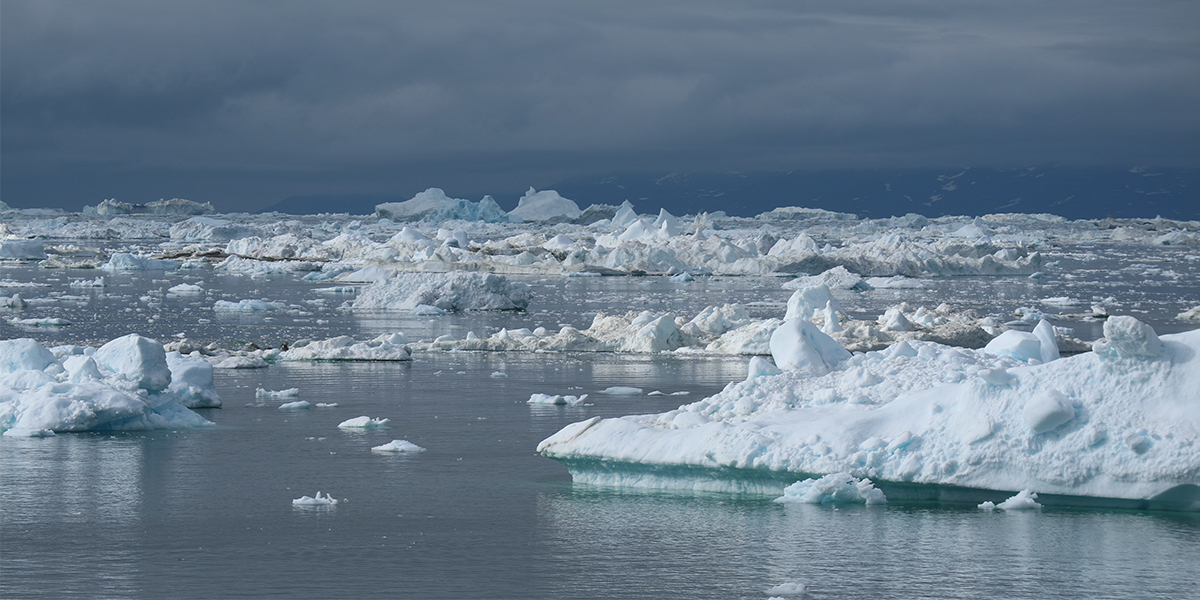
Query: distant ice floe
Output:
(435,206)
(318,500)
(297,405)
(456,291)
(124,261)
(386,347)
(130,383)
(926,413)
(174,206)
(288,393)
(398,446)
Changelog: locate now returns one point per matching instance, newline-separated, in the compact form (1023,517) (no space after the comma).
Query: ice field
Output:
(974,366)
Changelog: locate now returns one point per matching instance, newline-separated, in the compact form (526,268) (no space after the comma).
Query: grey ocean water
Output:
(207,513)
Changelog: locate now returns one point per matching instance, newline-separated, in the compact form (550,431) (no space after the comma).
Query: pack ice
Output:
(130,383)
(1115,426)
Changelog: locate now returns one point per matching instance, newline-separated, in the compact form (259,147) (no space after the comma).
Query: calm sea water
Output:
(208,513)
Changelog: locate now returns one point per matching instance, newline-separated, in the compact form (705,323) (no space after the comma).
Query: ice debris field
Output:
(840,402)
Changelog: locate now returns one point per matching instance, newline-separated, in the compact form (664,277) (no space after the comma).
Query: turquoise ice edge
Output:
(764,482)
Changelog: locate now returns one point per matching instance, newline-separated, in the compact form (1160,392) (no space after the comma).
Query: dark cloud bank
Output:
(761,104)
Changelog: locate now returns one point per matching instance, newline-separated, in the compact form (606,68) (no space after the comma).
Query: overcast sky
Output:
(245,103)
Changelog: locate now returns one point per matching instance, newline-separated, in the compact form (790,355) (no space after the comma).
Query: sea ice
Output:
(126,384)
(835,488)
(398,446)
(288,393)
(1025,500)
(318,500)
(454,291)
(925,413)
(386,347)
(363,423)
(297,405)
(557,400)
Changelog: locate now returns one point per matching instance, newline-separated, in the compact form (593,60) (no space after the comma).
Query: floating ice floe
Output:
(39,322)
(1191,314)
(88,283)
(297,405)
(951,419)
(12,249)
(1024,500)
(185,289)
(318,500)
(288,393)
(398,446)
(386,347)
(129,383)
(363,423)
(248,306)
(556,399)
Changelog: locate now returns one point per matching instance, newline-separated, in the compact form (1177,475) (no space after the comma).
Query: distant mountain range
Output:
(1075,193)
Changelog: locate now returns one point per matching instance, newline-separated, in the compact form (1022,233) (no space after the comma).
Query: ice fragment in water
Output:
(318,500)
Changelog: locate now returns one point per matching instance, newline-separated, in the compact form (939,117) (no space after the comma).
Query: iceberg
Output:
(456,291)
(926,420)
(434,205)
(546,205)
(130,383)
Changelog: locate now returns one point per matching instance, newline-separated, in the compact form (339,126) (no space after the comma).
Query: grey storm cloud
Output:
(546,88)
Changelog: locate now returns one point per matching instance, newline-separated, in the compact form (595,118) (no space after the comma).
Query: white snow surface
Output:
(1118,422)
(544,206)
(130,383)
(834,488)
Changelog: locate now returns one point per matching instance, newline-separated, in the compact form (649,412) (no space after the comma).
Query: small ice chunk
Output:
(363,423)
(288,393)
(298,405)
(556,400)
(620,390)
(1025,500)
(788,589)
(425,310)
(1044,332)
(398,446)
(28,432)
(499,375)
(1046,411)
(988,505)
(1015,344)
(318,500)
(834,488)
(1128,337)
(761,367)
(798,345)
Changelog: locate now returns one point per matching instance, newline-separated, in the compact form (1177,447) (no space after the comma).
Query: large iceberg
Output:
(130,383)
(434,205)
(931,421)
(454,291)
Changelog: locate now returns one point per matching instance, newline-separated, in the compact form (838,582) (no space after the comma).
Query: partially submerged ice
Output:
(130,383)
(922,419)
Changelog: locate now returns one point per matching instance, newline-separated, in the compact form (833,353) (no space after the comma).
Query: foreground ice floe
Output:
(130,383)
(1119,422)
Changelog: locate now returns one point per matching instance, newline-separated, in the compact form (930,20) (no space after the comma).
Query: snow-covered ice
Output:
(130,383)
(318,500)
(363,423)
(931,414)
(398,446)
